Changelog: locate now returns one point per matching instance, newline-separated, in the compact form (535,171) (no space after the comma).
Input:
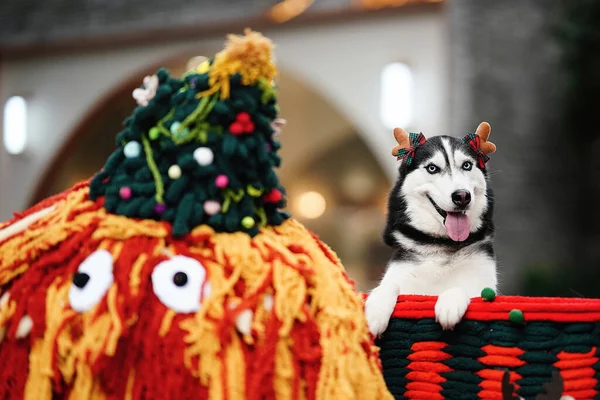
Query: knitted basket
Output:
(540,337)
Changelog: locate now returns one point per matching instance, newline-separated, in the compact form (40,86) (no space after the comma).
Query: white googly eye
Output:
(180,283)
(91,281)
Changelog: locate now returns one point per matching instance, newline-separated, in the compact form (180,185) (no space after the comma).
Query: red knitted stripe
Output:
(501,361)
(495,316)
(497,375)
(422,346)
(510,300)
(490,349)
(582,394)
(429,356)
(492,386)
(580,384)
(425,366)
(578,373)
(575,364)
(563,355)
(492,378)
(502,304)
(419,376)
(535,308)
(490,395)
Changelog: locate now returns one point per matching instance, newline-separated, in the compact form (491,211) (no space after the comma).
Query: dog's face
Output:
(443,193)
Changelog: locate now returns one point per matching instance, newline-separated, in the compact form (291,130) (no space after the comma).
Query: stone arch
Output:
(316,126)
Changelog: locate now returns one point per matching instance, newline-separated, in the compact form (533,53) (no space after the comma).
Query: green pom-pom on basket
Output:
(516,316)
(488,294)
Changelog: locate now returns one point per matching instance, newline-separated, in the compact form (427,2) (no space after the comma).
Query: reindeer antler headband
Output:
(408,143)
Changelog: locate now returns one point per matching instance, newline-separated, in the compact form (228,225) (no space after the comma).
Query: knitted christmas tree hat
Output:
(202,150)
(173,274)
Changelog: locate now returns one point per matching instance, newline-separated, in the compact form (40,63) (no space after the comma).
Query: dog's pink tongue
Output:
(457,226)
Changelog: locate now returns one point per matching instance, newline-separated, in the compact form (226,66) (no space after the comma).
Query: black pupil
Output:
(80,279)
(467,165)
(180,278)
(432,168)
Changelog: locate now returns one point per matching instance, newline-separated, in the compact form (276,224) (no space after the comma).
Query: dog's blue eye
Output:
(432,169)
(467,165)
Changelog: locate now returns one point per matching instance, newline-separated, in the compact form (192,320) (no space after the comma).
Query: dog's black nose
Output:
(461,198)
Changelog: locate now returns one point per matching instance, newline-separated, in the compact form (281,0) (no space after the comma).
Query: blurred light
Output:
(311,205)
(358,184)
(15,125)
(396,95)
(288,9)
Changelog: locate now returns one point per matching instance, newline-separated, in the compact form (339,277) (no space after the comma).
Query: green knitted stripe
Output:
(460,378)
(458,394)
(535,370)
(541,342)
(464,350)
(395,345)
(539,357)
(464,364)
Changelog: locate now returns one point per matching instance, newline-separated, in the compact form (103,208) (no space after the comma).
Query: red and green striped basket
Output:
(531,337)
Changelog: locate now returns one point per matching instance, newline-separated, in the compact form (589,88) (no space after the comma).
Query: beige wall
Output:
(342,62)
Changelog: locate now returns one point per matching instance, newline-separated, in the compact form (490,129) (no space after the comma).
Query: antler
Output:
(401,137)
(483,131)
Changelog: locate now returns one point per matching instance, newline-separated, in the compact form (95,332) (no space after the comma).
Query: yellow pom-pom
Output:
(203,68)
(248,222)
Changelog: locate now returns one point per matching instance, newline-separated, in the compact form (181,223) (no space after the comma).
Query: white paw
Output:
(451,307)
(379,307)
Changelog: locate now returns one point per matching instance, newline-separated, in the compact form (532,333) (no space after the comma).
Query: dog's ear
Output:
(403,140)
(483,131)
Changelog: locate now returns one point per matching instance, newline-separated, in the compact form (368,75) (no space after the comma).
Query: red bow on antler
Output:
(407,144)
(479,143)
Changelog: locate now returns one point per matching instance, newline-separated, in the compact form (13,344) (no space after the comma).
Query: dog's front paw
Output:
(378,309)
(451,307)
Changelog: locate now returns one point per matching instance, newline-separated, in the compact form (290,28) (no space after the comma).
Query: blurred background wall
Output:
(525,66)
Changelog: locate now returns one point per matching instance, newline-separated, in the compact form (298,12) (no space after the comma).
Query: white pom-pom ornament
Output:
(204,156)
(174,172)
(132,149)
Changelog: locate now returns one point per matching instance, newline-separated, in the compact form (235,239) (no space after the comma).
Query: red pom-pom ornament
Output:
(236,128)
(274,196)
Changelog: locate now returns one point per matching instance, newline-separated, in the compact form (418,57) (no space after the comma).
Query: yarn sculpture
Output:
(173,273)
(550,344)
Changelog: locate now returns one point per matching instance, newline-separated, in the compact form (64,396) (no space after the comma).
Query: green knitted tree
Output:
(202,149)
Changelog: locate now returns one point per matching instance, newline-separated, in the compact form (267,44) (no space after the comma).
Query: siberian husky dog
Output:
(439,224)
